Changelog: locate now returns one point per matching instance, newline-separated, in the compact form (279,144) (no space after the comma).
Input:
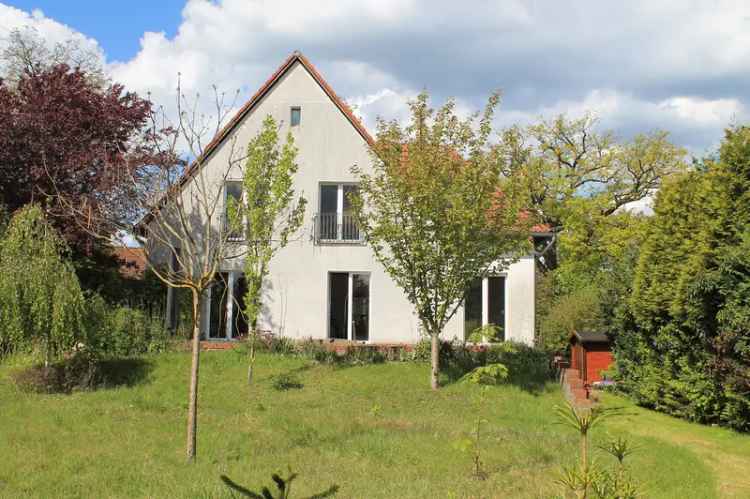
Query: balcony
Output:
(337,228)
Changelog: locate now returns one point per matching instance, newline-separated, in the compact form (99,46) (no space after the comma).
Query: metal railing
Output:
(337,228)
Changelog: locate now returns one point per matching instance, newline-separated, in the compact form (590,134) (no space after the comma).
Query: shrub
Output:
(491,374)
(310,348)
(286,381)
(489,333)
(277,344)
(362,355)
(525,364)
(423,350)
(684,345)
(579,310)
(123,331)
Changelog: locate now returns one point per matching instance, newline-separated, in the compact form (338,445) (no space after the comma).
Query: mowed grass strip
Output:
(376,431)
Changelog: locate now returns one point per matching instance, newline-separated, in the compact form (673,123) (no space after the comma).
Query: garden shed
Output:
(590,354)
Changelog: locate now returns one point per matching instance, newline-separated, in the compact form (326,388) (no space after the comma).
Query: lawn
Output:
(376,431)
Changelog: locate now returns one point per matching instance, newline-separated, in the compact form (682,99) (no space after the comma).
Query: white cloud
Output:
(49,29)
(674,64)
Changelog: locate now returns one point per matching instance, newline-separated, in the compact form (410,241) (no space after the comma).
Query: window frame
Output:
(350,291)
(232,237)
(292,110)
(340,188)
(486,306)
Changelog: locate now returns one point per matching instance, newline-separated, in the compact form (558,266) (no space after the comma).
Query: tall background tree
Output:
(60,133)
(64,126)
(437,212)
(683,344)
(565,160)
(27,54)
(268,212)
(581,181)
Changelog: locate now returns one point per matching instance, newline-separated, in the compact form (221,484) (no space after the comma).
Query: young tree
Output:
(269,211)
(436,211)
(41,302)
(183,228)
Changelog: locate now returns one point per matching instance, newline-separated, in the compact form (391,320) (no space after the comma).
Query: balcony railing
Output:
(234,235)
(337,228)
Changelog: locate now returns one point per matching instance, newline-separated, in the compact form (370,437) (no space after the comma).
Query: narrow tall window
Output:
(232,194)
(296,116)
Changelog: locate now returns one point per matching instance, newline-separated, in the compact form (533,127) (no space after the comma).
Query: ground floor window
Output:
(349,306)
(225,307)
(484,305)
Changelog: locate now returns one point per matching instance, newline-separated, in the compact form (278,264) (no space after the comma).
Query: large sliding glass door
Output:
(349,306)
(226,300)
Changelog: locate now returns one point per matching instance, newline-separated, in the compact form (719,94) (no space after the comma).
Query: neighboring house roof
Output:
(132,261)
(542,229)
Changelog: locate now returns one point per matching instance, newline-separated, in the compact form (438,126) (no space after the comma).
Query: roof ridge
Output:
(295,56)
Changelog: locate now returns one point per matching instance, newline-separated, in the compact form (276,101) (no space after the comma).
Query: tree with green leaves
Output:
(437,212)
(269,212)
(683,348)
(580,181)
(41,302)
(567,159)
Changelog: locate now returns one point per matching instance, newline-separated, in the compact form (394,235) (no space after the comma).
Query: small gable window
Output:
(296,116)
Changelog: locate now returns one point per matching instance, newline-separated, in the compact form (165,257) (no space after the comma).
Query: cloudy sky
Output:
(680,65)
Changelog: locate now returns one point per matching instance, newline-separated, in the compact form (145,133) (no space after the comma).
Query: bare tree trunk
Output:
(192,422)
(435,356)
(253,339)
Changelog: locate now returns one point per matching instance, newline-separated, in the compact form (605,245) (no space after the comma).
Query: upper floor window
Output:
(296,116)
(335,220)
(232,194)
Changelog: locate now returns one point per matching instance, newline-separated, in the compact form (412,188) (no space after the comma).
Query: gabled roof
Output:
(288,64)
(296,56)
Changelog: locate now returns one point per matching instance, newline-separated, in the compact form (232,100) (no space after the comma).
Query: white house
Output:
(326,283)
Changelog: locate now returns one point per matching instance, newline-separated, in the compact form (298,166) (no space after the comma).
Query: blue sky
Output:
(675,65)
(117,26)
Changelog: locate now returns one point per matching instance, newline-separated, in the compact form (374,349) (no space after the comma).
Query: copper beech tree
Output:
(175,208)
(437,212)
(60,132)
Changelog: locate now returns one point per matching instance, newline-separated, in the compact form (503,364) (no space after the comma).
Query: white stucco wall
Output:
(296,297)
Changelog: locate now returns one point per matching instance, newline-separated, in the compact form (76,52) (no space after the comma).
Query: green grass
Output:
(376,431)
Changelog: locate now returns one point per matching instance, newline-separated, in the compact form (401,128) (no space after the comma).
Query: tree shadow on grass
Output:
(82,374)
(283,488)
(533,384)
(124,372)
